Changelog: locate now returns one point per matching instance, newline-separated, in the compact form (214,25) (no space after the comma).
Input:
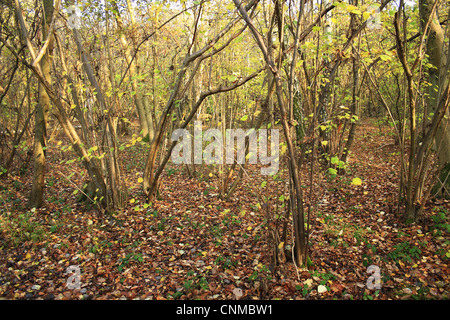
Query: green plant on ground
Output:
(405,252)
(192,282)
(21,228)
(123,262)
(440,225)
(305,289)
(261,271)
(171,171)
(325,276)
(162,225)
(226,263)
(367,257)
(370,296)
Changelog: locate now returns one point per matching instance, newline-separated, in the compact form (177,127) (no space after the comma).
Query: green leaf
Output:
(244,118)
(334,160)
(332,171)
(263,184)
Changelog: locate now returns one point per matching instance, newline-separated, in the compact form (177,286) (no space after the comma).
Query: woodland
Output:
(94,207)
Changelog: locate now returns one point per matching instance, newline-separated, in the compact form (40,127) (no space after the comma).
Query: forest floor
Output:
(189,244)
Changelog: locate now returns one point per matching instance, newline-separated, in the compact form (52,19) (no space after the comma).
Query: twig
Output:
(78,188)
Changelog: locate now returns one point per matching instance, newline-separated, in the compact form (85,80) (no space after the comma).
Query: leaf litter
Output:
(190,244)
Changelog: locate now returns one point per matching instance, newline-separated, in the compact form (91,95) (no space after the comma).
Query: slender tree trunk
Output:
(353,107)
(138,98)
(296,191)
(324,98)
(410,211)
(41,117)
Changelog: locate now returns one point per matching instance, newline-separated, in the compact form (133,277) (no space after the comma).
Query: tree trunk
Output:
(60,113)
(111,148)
(138,98)
(41,117)
(353,107)
(296,194)
(438,78)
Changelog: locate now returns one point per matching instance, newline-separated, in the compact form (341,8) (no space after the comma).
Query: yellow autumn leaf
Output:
(140,180)
(351,8)
(366,15)
(280,246)
(356,181)
(230,6)
(283,149)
